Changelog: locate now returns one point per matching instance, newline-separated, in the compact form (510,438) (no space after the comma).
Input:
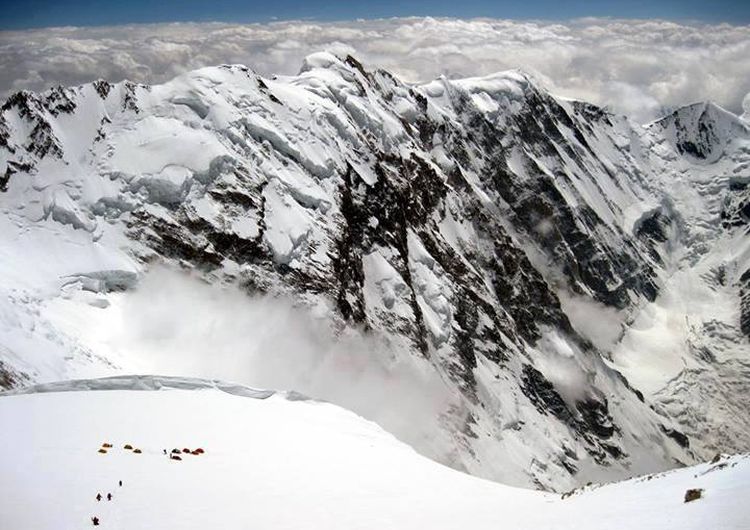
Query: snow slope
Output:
(276,462)
(688,349)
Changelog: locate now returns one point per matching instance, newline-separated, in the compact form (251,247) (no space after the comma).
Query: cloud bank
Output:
(637,67)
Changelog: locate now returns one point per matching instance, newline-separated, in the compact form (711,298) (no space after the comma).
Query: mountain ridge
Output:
(480,224)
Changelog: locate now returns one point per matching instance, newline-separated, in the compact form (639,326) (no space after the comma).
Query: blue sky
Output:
(42,13)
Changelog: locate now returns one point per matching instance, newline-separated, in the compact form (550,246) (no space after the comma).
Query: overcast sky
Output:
(638,67)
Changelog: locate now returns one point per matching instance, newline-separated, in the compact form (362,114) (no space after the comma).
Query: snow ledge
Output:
(153,382)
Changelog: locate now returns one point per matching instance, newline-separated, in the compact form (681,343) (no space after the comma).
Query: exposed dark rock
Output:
(653,229)
(264,88)
(348,259)
(27,104)
(596,419)
(543,395)
(129,96)
(699,145)
(13,167)
(677,436)
(10,378)
(42,141)
(693,494)
(60,100)
(102,88)
(736,207)
(745,303)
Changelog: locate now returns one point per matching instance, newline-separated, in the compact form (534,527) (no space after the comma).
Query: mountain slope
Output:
(276,461)
(689,348)
(519,242)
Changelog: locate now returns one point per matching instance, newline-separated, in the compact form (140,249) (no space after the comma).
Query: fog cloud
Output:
(175,324)
(561,363)
(638,67)
(601,324)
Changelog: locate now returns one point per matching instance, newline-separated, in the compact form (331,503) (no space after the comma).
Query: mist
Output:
(175,324)
(600,324)
(560,362)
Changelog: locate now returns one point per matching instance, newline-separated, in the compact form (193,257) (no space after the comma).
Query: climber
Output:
(98,496)
(95,520)
(121,483)
(109,496)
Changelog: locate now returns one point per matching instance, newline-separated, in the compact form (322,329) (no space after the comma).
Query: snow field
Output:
(276,463)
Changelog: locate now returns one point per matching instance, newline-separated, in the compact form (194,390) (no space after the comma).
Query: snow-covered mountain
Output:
(581,282)
(275,461)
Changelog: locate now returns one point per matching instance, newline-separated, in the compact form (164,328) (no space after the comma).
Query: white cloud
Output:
(637,67)
(175,324)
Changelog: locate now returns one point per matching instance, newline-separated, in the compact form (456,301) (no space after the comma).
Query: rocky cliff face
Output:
(481,224)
